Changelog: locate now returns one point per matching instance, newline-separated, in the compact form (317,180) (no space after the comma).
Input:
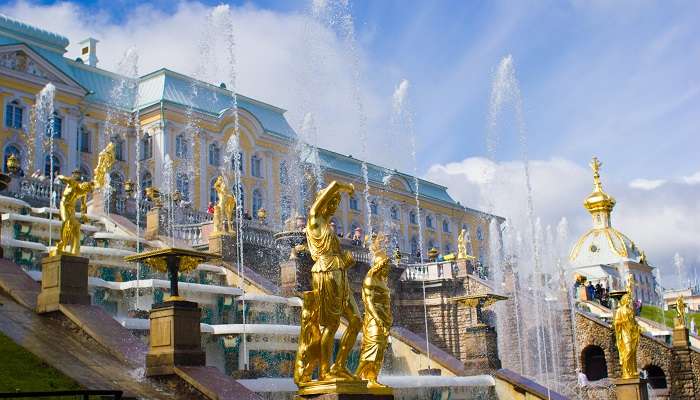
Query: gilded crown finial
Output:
(595,166)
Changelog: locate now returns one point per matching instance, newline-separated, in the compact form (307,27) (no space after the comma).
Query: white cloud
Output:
(662,220)
(646,184)
(273,55)
(693,179)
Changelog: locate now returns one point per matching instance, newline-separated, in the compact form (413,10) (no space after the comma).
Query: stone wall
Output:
(681,366)
(460,328)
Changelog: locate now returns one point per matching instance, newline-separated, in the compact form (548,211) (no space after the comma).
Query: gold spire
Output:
(598,201)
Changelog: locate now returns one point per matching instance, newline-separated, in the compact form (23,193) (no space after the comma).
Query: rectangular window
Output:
(84,141)
(354,204)
(13,116)
(256,167)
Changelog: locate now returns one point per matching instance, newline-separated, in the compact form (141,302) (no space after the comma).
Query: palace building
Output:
(91,108)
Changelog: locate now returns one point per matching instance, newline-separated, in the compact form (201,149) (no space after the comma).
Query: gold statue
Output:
(330,282)
(629,287)
(378,318)
(680,311)
(309,352)
(627,334)
(224,209)
(462,245)
(75,191)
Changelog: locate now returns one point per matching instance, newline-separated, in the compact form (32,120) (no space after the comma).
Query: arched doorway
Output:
(594,365)
(656,377)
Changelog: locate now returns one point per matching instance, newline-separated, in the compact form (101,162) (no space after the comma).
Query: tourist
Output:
(598,292)
(210,208)
(590,291)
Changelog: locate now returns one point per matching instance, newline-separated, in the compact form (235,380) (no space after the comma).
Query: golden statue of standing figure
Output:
(462,253)
(224,209)
(378,318)
(680,312)
(330,283)
(627,333)
(75,191)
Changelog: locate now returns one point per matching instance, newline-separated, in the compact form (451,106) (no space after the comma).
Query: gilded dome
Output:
(602,244)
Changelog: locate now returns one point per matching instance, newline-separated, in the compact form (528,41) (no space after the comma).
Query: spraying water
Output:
(222,21)
(44,125)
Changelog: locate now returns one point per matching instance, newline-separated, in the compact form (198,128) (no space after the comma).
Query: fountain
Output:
(175,334)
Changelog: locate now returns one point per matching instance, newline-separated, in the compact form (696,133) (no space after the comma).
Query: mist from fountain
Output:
(43,118)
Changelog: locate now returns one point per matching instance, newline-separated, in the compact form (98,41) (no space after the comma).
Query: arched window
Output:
(13,115)
(146,146)
(412,218)
(10,150)
(429,221)
(479,233)
(84,140)
(116,182)
(146,180)
(118,147)
(284,173)
(214,155)
(181,146)
(256,166)
(213,196)
(656,377)
(394,213)
(594,364)
(54,127)
(354,205)
(257,201)
(56,166)
(182,183)
(445,225)
(374,209)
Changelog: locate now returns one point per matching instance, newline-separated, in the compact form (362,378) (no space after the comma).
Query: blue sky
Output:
(616,79)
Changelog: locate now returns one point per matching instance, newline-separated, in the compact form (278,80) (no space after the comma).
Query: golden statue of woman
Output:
(627,334)
(378,318)
(330,282)
(225,207)
(75,191)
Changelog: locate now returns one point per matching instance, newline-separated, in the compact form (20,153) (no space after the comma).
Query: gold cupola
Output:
(599,203)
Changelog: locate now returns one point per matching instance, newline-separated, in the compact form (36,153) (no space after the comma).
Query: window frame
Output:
(12,119)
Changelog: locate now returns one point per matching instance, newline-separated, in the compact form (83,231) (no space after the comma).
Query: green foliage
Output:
(21,370)
(656,314)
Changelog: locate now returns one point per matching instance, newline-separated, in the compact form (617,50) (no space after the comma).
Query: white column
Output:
(160,149)
(203,175)
(71,138)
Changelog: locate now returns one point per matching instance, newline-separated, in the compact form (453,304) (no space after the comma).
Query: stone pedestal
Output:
(175,337)
(223,245)
(152,224)
(342,390)
(631,389)
(680,334)
(295,276)
(345,397)
(64,280)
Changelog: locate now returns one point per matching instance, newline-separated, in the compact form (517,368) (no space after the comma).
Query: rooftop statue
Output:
(224,209)
(75,191)
(378,318)
(330,282)
(627,334)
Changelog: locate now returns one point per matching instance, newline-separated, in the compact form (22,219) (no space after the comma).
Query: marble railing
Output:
(35,191)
